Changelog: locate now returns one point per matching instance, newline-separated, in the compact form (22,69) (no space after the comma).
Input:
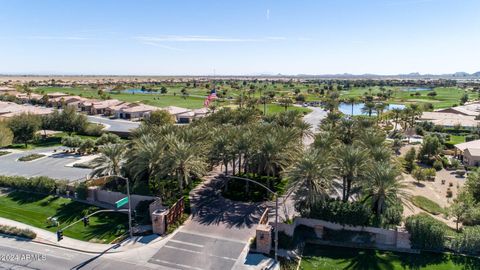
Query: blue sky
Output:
(198,37)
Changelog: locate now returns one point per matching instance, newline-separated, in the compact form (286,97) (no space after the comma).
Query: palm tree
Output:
(145,158)
(352,101)
(264,100)
(183,160)
(110,160)
(380,107)
(384,187)
(285,102)
(368,108)
(352,161)
(396,112)
(311,177)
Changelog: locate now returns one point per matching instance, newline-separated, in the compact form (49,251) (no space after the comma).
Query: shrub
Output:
(351,213)
(426,232)
(31,157)
(93,130)
(10,230)
(82,191)
(468,241)
(438,165)
(40,184)
(107,138)
(430,174)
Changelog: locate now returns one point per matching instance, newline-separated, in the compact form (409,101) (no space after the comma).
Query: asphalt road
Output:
(194,251)
(18,254)
(52,166)
(114,125)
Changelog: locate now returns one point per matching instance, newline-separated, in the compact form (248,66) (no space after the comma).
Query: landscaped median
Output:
(14,231)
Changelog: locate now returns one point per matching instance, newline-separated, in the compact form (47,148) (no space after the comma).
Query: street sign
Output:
(121,202)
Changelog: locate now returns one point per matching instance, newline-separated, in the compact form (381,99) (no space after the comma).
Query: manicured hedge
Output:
(426,232)
(39,184)
(337,211)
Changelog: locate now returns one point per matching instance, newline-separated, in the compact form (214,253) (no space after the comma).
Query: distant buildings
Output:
(464,116)
(110,107)
(10,109)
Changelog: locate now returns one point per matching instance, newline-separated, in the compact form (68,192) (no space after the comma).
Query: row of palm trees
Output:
(240,141)
(349,160)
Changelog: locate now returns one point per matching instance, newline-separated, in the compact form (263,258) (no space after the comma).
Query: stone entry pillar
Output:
(159,221)
(264,238)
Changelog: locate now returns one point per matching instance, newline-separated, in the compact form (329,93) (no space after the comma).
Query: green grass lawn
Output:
(446,96)
(162,100)
(335,258)
(34,209)
(427,205)
(455,139)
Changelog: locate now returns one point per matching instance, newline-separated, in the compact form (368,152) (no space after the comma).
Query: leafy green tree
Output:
(6,135)
(464,99)
(24,127)
(431,146)
(159,118)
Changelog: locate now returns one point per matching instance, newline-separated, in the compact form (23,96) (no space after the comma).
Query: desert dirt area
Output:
(433,190)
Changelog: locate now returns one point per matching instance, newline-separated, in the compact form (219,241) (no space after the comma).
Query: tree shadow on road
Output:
(211,208)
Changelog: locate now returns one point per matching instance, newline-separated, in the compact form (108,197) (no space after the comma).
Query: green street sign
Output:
(121,202)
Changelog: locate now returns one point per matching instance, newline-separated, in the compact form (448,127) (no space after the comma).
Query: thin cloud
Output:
(154,44)
(202,39)
(267,15)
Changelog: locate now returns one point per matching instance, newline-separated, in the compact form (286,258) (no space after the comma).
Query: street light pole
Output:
(129,208)
(276,208)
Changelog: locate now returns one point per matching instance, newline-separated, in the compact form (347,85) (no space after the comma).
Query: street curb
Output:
(54,245)
(78,250)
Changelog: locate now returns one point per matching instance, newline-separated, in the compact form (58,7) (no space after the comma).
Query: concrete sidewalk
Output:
(50,238)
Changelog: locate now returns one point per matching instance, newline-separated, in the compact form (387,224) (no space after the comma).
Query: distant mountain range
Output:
(413,75)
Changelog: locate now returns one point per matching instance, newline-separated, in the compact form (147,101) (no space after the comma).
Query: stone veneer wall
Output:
(394,238)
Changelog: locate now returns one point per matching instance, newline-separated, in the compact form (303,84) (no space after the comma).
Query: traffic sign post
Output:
(121,202)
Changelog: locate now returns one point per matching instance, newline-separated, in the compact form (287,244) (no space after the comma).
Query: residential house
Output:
(469,152)
(10,109)
(135,112)
(450,120)
(100,107)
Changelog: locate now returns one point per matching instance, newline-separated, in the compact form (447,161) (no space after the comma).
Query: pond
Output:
(416,89)
(346,108)
(139,91)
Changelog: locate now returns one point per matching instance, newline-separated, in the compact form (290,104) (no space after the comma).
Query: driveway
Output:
(53,165)
(215,237)
(315,117)
(114,125)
